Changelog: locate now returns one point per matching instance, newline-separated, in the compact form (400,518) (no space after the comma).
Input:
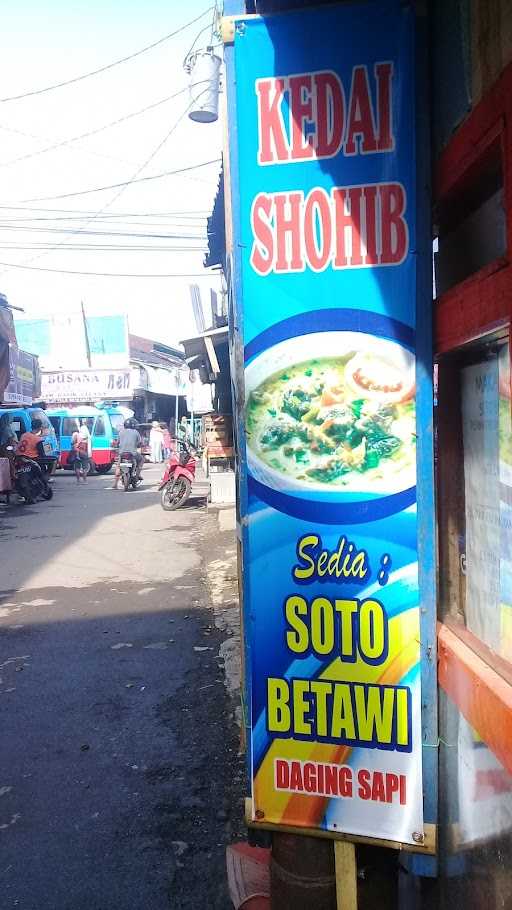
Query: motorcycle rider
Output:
(29,441)
(130,442)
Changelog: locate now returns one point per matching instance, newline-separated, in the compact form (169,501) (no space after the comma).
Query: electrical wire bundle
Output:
(82,230)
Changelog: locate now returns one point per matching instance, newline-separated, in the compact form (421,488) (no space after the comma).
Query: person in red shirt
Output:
(28,443)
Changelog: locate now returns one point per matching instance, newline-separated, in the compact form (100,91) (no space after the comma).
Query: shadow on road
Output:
(120,782)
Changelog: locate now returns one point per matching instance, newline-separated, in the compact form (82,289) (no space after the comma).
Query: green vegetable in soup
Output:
(296,403)
(306,423)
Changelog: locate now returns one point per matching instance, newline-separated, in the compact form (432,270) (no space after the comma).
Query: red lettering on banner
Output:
(380,787)
(394,228)
(295,776)
(288,232)
(262,254)
(330,115)
(317,226)
(302,113)
(314,122)
(370,197)
(363,779)
(282,774)
(310,782)
(313,777)
(351,227)
(331,780)
(386,139)
(273,141)
(348,223)
(361,121)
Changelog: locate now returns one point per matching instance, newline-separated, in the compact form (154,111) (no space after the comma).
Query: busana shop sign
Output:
(86,385)
(326,186)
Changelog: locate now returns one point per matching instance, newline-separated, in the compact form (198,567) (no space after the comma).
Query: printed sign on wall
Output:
(23,383)
(325,144)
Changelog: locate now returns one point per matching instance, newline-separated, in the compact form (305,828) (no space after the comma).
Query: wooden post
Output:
(346,875)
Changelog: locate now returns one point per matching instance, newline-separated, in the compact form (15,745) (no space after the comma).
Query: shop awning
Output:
(161,381)
(201,351)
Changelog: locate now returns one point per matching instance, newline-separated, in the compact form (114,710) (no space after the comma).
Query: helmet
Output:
(130,424)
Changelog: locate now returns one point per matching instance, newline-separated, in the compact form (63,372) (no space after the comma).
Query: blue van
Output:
(118,413)
(21,422)
(65,422)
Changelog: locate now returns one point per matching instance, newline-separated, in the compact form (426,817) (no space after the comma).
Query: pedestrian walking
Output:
(156,441)
(167,443)
(82,450)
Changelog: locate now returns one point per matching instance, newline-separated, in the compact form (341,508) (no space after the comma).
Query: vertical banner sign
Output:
(325,143)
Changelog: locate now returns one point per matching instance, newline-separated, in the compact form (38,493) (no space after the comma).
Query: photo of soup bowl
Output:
(377,372)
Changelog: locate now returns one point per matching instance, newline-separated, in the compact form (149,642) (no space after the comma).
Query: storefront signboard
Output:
(23,385)
(86,385)
(324,149)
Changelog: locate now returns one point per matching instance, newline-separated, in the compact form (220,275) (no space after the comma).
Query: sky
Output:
(51,42)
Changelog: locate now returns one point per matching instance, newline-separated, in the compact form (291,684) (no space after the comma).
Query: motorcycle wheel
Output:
(48,493)
(175,494)
(126,481)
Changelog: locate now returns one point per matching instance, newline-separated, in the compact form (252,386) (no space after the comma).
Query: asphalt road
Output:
(120,783)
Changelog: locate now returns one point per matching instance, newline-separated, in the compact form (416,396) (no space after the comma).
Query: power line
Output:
(140,234)
(10,129)
(108,66)
(122,186)
(38,268)
(104,247)
(113,186)
(84,212)
(100,129)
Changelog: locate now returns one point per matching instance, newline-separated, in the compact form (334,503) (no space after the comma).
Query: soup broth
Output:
(345,422)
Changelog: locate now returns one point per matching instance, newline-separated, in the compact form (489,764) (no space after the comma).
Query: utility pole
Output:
(86,335)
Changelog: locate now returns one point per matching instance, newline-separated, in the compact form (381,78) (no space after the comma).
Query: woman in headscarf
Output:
(156,441)
(82,451)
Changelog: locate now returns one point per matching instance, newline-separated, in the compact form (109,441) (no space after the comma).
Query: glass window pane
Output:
(474,465)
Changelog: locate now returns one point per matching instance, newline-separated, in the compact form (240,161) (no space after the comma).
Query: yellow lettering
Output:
(298,639)
(375,708)
(372,635)
(321,690)
(342,713)
(309,540)
(359,566)
(346,610)
(402,718)
(278,709)
(321,565)
(334,561)
(300,707)
(322,625)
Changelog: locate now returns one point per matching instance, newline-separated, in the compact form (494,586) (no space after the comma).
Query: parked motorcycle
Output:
(178,478)
(29,480)
(130,474)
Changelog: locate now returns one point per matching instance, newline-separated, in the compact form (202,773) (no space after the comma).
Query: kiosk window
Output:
(475,494)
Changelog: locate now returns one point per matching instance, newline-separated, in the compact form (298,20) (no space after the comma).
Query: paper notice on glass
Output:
(480,428)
